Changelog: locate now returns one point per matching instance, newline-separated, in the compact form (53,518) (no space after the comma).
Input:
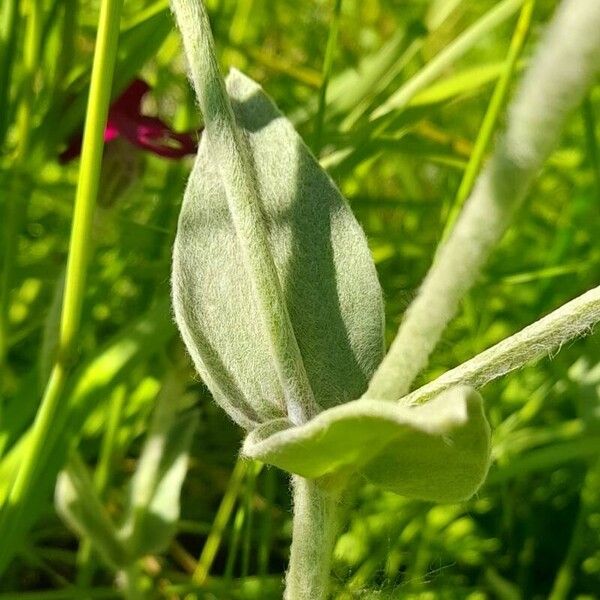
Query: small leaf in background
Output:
(78,505)
(154,502)
(438,451)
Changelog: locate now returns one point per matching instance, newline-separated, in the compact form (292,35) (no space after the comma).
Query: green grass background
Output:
(533,530)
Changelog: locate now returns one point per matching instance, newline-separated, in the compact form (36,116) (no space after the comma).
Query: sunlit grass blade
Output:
(104,61)
(492,114)
(462,44)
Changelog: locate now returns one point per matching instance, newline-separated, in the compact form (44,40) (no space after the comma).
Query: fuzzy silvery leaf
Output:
(322,263)
(437,451)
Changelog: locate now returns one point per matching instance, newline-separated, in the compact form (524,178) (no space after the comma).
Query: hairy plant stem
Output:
(316,524)
(87,190)
(550,91)
(234,161)
(571,320)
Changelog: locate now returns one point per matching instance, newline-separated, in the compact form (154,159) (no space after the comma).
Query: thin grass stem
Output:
(87,190)
(326,74)
(213,541)
(492,115)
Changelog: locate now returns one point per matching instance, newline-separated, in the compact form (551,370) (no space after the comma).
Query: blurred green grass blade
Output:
(326,74)
(460,46)
(102,476)
(440,10)
(249,491)
(213,541)
(266,521)
(153,503)
(77,503)
(548,458)
(31,65)
(9,31)
(593,152)
(90,384)
(464,82)
(589,498)
(352,151)
(234,540)
(351,87)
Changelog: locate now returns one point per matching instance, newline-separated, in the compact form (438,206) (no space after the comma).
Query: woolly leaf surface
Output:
(322,260)
(437,451)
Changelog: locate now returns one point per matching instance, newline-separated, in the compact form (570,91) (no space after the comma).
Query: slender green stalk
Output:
(12,217)
(326,74)
(69,29)
(266,525)
(253,473)
(316,524)
(108,449)
(31,63)
(87,190)
(235,164)
(492,114)
(234,541)
(570,321)
(549,92)
(215,536)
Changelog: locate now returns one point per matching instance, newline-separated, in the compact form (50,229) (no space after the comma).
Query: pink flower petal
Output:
(150,133)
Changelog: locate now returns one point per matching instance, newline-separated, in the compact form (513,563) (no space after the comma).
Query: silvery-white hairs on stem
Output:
(562,70)
(571,320)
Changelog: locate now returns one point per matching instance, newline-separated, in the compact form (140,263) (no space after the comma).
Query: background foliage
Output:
(533,529)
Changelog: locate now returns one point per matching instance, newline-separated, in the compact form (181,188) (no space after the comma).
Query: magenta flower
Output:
(126,120)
